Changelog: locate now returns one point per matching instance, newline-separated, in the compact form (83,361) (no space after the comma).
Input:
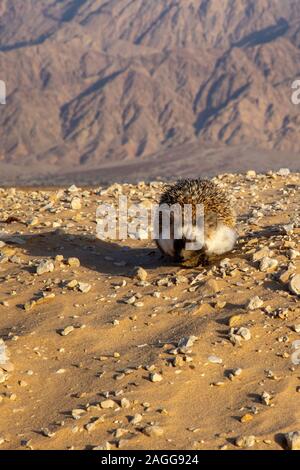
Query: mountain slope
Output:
(91,81)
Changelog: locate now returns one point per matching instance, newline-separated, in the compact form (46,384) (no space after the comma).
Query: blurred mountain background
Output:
(133,89)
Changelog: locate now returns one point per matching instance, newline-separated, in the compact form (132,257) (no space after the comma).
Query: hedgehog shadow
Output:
(101,256)
(94,254)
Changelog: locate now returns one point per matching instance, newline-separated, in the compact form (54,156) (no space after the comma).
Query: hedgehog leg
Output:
(194,259)
(212,260)
(179,245)
(203,259)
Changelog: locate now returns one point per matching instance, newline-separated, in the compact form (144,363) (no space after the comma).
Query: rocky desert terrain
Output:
(107,345)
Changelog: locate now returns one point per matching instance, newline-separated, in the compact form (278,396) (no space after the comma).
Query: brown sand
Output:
(196,404)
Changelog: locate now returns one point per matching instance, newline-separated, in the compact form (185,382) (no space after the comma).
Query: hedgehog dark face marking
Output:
(216,235)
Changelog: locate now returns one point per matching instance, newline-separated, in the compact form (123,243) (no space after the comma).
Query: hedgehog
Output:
(201,239)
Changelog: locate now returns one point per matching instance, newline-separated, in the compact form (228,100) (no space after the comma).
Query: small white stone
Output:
(293,440)
(268,264)
(66,331)
(295,284)
(244,333)
(141,274)
(245,441)
(125,403)
(215,359)
(293,254)
(153,431)
(45,267)
(284,172)
(76,203)
(84,287)
(107,404)
(78,413)
(255,303)
(187,342)
(155,377)
(137,418)
(74,262)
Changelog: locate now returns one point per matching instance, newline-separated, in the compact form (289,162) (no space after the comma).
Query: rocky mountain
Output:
(93,82)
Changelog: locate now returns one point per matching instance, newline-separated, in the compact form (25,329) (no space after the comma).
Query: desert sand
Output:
(103,355)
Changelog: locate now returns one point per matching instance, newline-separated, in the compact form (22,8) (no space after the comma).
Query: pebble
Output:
(293,440)
(284,172)
(108,404)
(136,419)
(296,328)
(244,333)
(106,446)
(215,360)
(44,267)
(3,376)
(261,254)
(245,441)
(74,262)
(125,403)
(268,264)
(236,335)
(266,398)
(234,320)
(251,174)
(178,361)
(72,284)
(246,418)
(295,284)
(210,288)
(67,330)
(130,300)
(4,357)
(187,342)
(155,377)
(255,303)
(84,287)
(77,413)
(47,433)
(293,254)
(153,431)
(76,203)
(91,426)
(141,274)
(286,276)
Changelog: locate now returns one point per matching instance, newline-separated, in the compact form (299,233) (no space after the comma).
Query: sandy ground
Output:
(93,387)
